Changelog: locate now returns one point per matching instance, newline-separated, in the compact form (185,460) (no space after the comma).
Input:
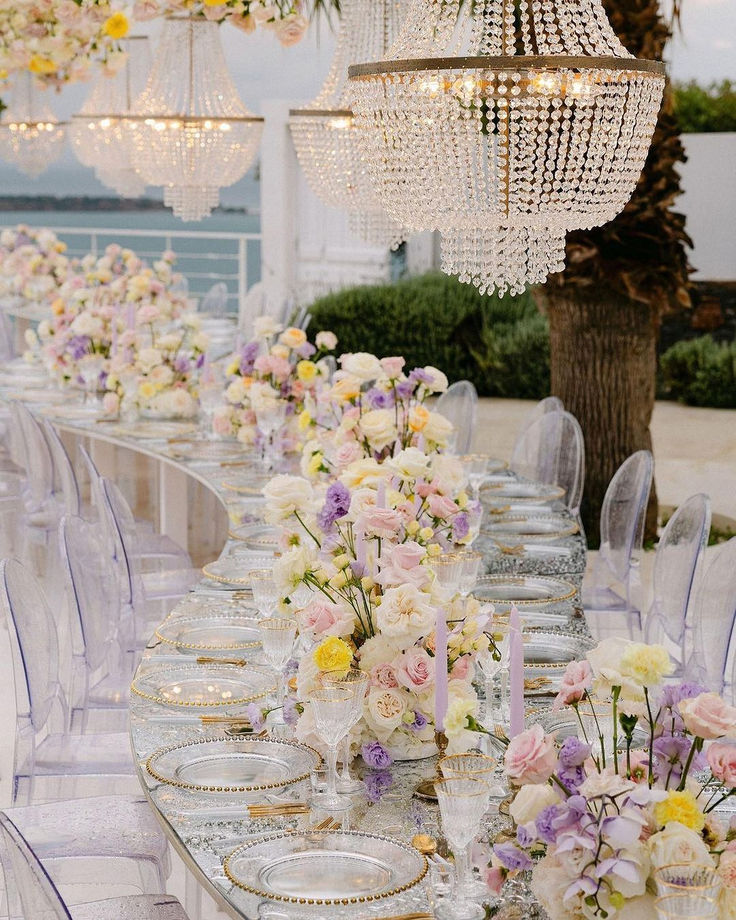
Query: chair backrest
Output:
(26,879)
(215,300)
(552,450)
(459,405)
(548,404)
(92,588)
(38,463)
(121,523)
(63,469)
(679,552)
(34,643)
(714,619)
(623,514)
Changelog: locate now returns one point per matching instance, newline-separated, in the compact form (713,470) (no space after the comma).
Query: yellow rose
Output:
(333,655)
(681,807)
(306,371)
(41,65)
(117,25)
(418,418)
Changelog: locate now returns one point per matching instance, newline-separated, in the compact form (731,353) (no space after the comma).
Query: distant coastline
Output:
(94,203)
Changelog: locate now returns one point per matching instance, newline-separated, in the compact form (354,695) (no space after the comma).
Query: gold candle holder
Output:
(425,789)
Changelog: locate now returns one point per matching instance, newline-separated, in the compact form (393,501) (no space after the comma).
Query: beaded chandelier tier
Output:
(31,136)
(192,134)
(101,134)
(503,125)
(325,132)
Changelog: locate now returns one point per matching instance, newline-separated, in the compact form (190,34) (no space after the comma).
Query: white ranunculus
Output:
(286,495)
(326,340)
(410,463)
(379,427)
(385,709)
(677,844)
(439,380)
(405,611)
(530,800)
(266,326)
(362,365)
(438,429)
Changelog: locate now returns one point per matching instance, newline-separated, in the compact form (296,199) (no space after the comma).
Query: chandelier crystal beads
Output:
(192,134)
(504,125)
(325,132)
(31,136)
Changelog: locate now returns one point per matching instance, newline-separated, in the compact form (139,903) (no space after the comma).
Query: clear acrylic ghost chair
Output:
(713,618)
(44,748)
(614,585)
(7,346)
(548,404)
(676,565)
(34,891)
(552,450)
(64,475)
(100,678)
(459,405)
(214,301)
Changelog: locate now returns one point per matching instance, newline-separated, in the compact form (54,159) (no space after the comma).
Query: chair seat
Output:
(601,598)
(140,907)
(112,692)
(84,755)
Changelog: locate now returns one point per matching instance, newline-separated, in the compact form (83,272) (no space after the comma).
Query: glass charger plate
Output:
(205,605)
(233,765)
(249,484)
(528,528)
(214,451)
(510,491)
(549,599)
(155,431)
(565,724)
(210,633)
(199,686)
(257,536)
(233,569)
(325,867)
(546,655)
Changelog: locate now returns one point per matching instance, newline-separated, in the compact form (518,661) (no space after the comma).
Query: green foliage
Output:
(700,372)
(501,344)
(706,108)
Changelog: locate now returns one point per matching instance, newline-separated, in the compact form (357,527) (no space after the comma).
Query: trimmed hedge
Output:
(501,344)
(700,372)
(706,108)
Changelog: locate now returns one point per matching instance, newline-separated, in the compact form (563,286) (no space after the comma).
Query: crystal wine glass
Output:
(357,682)
(470,567)
(476,468)
(462,801)
(478,766)
(277,638)
(90,368)
(448,570)
(270,417)
(210,399)
(688,878)
(686,907)
(265,592)
(332,709)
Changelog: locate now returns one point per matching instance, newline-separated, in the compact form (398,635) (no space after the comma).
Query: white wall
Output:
(709,204)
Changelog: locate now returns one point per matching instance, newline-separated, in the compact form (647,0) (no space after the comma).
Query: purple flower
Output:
(404,389)
(306,350)
(419,375)
(511,857)
(255,716)
(337,505)
(526,834)
(291,713)
(380,399)
(291,667)
(571,777)
(376,756)
(671,753)
(377,784)
(199,364)
(420,722)
(460,527)
(181,364)
(547,822)
(248,356)
(78,346)
(573,752)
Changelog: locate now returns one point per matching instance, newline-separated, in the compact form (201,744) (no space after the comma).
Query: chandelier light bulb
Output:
(31,137)
(504,126)
(192,134)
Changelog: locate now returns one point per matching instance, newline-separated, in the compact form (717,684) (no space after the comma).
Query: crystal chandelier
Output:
(325,132)
(192,134)
(101,134)
(505,124)
(31,136)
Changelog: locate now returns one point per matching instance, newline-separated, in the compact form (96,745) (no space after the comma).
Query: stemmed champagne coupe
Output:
(331,709)
(463,801)
(357,682)
(277,638)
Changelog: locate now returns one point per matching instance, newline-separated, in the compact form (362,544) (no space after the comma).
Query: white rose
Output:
(292,338)
(44,328)
(162,375)
(411,463)
(379,427)
(405,611)
(677,844)
(361,365)
(327,341)
(148,358)
(87,324)
(266,326)
(439,380)
(448,471)
(438,429)
(385,710)
(286,495)
(364,473)
(236,391)
(530,800)
(289,568)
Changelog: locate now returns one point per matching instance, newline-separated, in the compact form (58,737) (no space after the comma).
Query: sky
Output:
(704,50)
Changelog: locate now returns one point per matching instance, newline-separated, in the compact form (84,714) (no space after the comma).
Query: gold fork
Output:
(207,659)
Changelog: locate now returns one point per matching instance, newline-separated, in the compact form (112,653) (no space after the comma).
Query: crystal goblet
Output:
(470,567)
(265,592)
(476,468)
(686,907)
(277,638)
(462,801)
(357,682)
(688,878)
(331,710)
(270,417)
(448,570)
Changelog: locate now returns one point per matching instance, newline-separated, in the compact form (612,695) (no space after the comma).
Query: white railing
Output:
(203,257)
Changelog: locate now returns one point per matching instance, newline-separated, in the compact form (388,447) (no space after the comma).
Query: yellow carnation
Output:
(646,664)
(117,25)
(333,655)
(681,807)
(233,367)
(306,371)
(305,420)
(146,390)
(41,65)
(314,465)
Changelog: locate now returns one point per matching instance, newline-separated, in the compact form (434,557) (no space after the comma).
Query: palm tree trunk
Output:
(603,367)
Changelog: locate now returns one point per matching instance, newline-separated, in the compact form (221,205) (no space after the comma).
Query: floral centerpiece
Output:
(364,547)
(602,813)
(32,263)
(277,365)
(374,409)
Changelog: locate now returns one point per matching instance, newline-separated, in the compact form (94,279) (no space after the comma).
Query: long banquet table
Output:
(204,831)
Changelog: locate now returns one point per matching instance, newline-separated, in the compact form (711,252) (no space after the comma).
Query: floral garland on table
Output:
(373,409)
(364,546)
(277,364)
(604,821)
(32,263)
(59,41)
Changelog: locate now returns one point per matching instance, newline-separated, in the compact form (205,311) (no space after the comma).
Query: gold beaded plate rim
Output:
(227,739)
(229,670)
(513,63)
(226,618)
(234,580)
(292,899)
(494,490)
(491,580)
(567,531)
(238,533)
(583,647)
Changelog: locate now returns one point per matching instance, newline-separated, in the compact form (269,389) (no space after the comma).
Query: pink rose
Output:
(414,669)
(222,425)
(383,675)
(426,488)
(291,29)
(531,757)
(494,877)
(575,681)
(402,564)
(323,618)
(441,507)
(461,669)
(722,762)
(346,454)
(379,522)
(708,716)
(392,367)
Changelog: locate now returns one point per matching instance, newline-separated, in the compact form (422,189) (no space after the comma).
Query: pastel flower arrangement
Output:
(32,263)
(277,365)
(374,409)
(596,819)
(59,41)
(363,545)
